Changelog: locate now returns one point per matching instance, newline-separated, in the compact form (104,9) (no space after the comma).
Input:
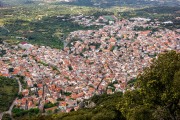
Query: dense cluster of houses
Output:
(92,21)
(93,62)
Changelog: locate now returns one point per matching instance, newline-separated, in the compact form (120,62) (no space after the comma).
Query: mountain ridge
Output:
(108,3)
(99,3)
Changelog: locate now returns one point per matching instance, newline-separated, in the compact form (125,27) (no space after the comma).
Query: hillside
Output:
(99,3)
(90,59)
(16,2)
(2,4)
(8,92)
(108,3)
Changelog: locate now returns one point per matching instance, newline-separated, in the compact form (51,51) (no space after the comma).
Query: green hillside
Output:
(100,3)
(108,3)
(8,92)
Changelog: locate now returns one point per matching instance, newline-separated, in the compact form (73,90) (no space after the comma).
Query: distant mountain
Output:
(2,4)
(107,3)
(16,2)
(99,3)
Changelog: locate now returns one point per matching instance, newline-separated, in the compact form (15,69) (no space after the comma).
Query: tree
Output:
(1,41)
(6,117)
(157,93)
(11,69)
(20,96)
(70,67)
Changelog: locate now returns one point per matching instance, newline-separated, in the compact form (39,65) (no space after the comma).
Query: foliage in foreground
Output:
(6,117)
(157,95)
(8,92)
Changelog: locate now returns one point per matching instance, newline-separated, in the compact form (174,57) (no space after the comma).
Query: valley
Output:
(74,59)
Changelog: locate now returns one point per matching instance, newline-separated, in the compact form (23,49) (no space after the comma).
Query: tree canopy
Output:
(157,93)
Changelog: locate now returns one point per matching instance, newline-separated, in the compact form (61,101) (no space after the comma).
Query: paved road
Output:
(12,105)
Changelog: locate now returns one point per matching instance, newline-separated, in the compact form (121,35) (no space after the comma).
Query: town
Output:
(93,62)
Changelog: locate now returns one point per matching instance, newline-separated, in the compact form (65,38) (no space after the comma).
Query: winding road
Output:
(12,105)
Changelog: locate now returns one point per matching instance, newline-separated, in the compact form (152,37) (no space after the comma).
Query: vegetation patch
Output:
(8,92)
(18,113)
(6,117)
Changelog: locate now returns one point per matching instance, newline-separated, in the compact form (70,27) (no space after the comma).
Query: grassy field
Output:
(39,24)
(8,92)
